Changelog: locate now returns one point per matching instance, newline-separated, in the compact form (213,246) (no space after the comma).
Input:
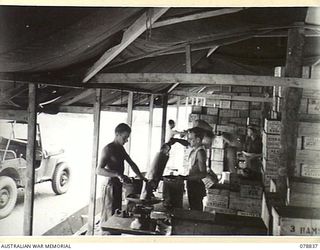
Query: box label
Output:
(272,126)
(312,171)
(299,226)
(271,140)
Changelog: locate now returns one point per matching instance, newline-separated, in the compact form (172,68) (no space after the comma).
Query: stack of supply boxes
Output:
(235,115)
(308,150)
(300,215)
(241,196)
(217,155)
(270,151)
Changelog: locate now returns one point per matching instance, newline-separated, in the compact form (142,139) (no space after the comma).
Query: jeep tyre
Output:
(61,178)
(8,195)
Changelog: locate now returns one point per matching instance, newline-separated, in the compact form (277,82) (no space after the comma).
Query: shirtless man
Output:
(197,169)
(111,165)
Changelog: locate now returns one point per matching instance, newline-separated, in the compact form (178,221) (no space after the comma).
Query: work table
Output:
(187,222)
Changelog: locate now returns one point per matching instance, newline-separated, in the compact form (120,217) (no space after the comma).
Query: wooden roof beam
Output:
(131,34)
(79,97)
(196,16)
(204,79)
(222,97)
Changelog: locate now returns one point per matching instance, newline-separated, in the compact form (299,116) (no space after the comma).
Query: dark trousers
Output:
(196,191)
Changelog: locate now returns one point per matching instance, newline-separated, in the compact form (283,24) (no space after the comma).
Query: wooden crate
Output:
(245,204)
(211,111)
(239,89)
(226,128)
(310,143)
(304,185)
(296,221)
(188,222)
(240,105)
(195,109)
(309,129)
(217,200)
(218,142)
(270,167)
(255,105)
(307,156)
(254,121)
(271,153)
(269,181)
(312,171)
(314,107)
(245,113)
(212,103)
(256,89)
(311,93)
(272,126)
(229,113)
(193,117)
(217,167)
(303,109)
(217,154)
(219,210)
(219,189)
(270,140)
(225,104)
(251,191)
(211,119)
(243,213)
(300,199)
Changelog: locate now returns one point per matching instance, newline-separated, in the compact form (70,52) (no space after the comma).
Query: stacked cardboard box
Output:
(270,151)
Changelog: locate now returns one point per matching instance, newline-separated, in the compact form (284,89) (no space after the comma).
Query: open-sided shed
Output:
(76,59)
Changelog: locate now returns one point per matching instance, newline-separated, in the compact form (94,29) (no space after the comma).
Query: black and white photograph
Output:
(120,121)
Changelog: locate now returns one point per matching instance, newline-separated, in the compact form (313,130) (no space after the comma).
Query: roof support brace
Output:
(131,34)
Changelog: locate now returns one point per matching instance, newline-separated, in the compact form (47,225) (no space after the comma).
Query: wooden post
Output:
(31,157)
(188,59)
(129,122)
(164,118)
(177,113)
(186,107)
(290,108)
(93,179)
(150,130)
(129,117)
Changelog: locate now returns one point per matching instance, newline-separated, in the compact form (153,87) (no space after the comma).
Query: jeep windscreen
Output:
(17,131)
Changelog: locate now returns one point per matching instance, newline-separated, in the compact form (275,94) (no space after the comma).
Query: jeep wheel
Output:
(8,195)
(61,178)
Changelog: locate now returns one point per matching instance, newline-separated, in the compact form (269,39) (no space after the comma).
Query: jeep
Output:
(49,165)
